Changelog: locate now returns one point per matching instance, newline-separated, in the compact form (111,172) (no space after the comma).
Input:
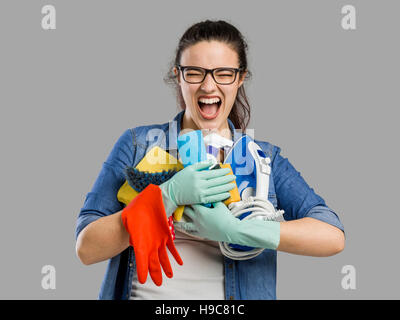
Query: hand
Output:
(146,222)
(194,185)
(219,224)
(215,223)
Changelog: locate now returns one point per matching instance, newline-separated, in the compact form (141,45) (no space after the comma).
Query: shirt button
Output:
(230,266)
(230,297)
(131,265)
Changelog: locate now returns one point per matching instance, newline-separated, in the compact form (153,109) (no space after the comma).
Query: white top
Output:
(201,277)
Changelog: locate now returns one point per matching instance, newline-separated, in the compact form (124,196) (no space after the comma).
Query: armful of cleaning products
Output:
(195,185)
(219,224)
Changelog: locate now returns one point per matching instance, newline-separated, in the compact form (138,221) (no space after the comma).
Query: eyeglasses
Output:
(220,75)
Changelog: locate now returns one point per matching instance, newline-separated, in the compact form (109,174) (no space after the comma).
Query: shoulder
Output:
(132,137)
(280,164)
(269,149)
(141,135)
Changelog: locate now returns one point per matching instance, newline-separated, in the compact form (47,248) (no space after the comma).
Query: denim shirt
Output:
(248,279)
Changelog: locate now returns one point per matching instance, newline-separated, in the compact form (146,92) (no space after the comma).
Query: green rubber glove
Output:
(219,224)
(194,185)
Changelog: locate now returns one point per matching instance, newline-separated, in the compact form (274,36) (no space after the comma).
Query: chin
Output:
(208,124)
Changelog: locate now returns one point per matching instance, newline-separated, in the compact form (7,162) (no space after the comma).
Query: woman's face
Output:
(209,55)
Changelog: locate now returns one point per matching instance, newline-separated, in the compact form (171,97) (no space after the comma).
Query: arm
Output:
(100,234)
(311,227)
(102,239)
(310,237)
(306,236)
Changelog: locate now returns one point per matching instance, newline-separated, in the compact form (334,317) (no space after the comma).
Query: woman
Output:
(211,98)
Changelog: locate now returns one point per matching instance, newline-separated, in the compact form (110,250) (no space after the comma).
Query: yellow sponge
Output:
(156,160)
(235,196)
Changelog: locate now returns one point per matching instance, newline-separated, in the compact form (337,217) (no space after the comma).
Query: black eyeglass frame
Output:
(182,69)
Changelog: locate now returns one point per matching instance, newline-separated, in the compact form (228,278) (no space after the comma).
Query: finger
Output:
(189,212)
(154,268)
(164,261)
(220,189)
(141,265)
(218,197)
(218,204)
(174,252)
(220,180)
(214,173)
(186,226)
(199,208)
(201,165)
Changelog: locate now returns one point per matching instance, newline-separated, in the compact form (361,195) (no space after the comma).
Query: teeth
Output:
(210,101)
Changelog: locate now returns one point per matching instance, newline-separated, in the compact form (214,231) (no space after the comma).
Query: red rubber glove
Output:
(146,221)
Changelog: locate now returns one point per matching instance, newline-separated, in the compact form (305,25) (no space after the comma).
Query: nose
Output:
(208,84)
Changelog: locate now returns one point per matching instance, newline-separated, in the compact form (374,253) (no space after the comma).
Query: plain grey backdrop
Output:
(328,97)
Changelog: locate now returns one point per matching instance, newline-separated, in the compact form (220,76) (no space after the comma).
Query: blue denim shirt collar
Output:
(236,134)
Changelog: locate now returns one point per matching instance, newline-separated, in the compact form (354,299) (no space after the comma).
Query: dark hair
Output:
(227,33)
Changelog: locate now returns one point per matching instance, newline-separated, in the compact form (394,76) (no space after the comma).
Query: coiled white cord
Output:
(262,209)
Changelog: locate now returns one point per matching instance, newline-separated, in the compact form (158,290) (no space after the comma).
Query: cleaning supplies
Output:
(214,143)
(194,147)
(191,147)
(234,193)
(252,169)
(156,167)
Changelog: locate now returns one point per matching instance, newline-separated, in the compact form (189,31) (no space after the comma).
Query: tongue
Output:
(209,109)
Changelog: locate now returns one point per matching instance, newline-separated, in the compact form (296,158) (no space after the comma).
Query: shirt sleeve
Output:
(102,199)
(296,197)
(325,214)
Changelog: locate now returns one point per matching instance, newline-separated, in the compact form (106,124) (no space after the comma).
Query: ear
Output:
(176,73)
(241,78)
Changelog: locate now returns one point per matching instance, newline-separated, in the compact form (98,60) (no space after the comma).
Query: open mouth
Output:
(209,111)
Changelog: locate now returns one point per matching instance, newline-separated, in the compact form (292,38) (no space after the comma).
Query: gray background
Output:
(326,96)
